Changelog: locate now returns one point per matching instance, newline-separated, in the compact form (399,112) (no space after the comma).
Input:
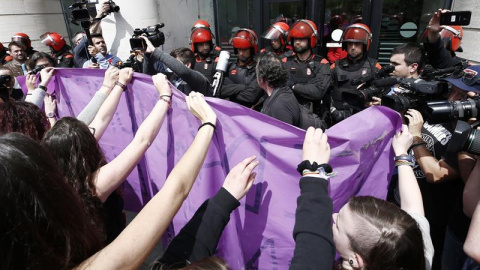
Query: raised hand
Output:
(240,178)
(200,108)
(111,76)
(315,146)
(402,141)
(46,74)
(161,83)
(415,122)
(125,76)
(31,81)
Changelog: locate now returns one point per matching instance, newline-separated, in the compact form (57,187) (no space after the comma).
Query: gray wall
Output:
(471,33)
(32,17)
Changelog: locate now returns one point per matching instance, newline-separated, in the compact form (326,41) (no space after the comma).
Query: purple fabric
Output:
(259,234)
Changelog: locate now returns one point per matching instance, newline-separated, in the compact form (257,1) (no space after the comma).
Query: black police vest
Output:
(241,75)
(206,67)
(303,72)
(343,78)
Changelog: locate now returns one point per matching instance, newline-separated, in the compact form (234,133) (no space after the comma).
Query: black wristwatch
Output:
(51,115)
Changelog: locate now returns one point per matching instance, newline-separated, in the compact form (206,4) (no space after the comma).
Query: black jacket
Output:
(438,56)
(198,239)
(314,247)
(240,85)
(283,105)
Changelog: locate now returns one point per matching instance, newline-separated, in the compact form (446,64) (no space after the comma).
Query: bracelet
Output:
(306,165)
(404,157)
(404,162)
(415,145)
(169,96)
(168,101)
(108,86)
(42,87)
(123,86)
(208,124)
(319,173)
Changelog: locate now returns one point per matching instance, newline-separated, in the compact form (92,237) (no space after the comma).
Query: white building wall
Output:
(178,17)
(471,33)
(32,17)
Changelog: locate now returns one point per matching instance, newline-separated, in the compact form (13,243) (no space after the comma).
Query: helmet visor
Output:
(271,33)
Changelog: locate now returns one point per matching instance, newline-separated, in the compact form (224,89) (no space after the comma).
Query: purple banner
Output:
(259,234)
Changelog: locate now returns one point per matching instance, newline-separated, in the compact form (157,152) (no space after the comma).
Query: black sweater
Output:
(314,247)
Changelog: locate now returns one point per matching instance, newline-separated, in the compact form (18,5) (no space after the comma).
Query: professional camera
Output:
(447,111)
(429,73)
(465,138)
(113,7)
(36,69)
(153,34)
(79,12)
(371,88)
(417,93)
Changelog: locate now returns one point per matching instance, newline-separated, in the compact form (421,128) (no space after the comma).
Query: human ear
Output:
(414,67)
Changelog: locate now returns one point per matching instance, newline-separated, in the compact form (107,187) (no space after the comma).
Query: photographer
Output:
(181,63)
(80,50)
(100,52)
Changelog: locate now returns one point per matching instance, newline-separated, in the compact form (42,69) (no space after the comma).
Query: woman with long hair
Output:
(80,158)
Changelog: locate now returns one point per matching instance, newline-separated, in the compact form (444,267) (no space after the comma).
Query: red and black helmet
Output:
(245,39)
(357,32)
(452,36)
(303,29)
(278,30)
(53,40)
(23,39)
(200,33)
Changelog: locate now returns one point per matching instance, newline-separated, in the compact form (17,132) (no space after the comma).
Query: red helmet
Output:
(200,23)
(23,39)
(244,39)
(452,36)
(200,35)
(303,29)
(53,40)
(278,30)
(357,32)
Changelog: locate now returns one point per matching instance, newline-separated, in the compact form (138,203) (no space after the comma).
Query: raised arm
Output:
(111,175)
(36,96)
(198,239)
(410,195)
(471,192)
(435,170)
(90,111)
(107,110)
(314,247)
(135,243)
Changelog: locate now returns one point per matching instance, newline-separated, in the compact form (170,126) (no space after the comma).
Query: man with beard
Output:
(240,85)
(309,74)
(17,52)
(277,35)
(24,39)
(356,41)
(99,51)
(205,52)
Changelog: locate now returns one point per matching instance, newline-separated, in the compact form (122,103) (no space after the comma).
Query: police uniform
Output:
(207,66)
(5,58)
(63,58)
(240,85)
(343,71)
(309,80)
(286,52)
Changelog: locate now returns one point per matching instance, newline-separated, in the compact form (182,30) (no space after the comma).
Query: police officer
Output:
(309,74)
(277,35)
(240,85)
(356,40)
(4,56)
(206,54)
(24,39)
(60,51)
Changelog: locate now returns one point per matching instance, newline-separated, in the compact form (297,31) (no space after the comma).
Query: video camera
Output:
(80,13)
(371,88)
(418,92)
(153,34)
(447,111)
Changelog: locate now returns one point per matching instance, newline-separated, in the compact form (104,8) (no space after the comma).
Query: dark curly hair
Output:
(271,69)
(78,157)
(44,224)
(23,117)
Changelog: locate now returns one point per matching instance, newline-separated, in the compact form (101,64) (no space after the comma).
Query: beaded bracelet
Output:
(123,86)
(403,162)
(208,124)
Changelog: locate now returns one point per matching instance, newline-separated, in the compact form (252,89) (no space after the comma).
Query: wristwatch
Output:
(51,115)
(42,87)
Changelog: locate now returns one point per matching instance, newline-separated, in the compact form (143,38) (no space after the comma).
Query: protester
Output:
(23,117)
(272,78)
(22,164)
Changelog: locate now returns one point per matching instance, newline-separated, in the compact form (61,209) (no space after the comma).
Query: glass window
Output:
(399,26)
(292,11)
(233,14)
